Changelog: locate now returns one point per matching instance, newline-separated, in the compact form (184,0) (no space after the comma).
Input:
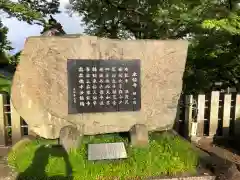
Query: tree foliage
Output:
(144,18)
(53,28)
(4,44)
(30,11)
(214,56)
(211,26)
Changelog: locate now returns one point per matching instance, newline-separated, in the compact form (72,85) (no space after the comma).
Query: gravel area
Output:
(6,172)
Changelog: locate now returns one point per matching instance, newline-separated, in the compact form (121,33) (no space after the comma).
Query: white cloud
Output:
(19,31)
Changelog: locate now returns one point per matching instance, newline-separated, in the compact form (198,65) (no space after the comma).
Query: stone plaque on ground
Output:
(40,87)
(106,151)
(103,86)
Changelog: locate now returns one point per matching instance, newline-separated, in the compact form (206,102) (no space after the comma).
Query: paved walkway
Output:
(223,162)
(5,171)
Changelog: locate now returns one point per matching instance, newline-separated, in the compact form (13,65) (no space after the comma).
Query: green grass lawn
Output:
(5,84)
(166,155)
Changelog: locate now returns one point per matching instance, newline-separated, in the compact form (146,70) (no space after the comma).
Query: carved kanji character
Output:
(80,69)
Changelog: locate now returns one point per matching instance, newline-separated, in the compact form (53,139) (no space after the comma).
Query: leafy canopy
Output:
(30,11)
(211,26)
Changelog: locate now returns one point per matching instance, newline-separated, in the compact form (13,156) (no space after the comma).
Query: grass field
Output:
(166,155)
(5,84)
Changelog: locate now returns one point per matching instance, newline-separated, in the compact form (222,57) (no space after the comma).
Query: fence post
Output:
(214,107)
(188,115)
(16,125)
(177,120)
(2,120)
(200,115)
(226,114)
(237,116)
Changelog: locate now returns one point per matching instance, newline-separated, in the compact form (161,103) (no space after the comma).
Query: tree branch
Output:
(119,7)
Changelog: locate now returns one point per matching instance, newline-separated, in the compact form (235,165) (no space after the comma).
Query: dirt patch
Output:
(4,151)
(5,171)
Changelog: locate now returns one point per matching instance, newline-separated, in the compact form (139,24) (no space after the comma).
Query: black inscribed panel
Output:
(103,86)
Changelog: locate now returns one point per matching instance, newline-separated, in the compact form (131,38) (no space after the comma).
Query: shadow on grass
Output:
(37,169)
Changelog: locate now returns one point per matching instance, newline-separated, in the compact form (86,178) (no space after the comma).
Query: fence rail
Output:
(12,126)
(218,114)
(212,114)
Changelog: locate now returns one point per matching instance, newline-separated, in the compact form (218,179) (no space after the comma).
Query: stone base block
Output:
(70,137)
(139,135)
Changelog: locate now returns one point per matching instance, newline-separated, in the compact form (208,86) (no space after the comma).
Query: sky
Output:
(19,31)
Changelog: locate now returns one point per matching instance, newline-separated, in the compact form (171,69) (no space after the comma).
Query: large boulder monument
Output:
(98,85)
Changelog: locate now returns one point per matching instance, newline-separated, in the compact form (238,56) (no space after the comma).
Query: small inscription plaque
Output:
(103,86)
(106,151)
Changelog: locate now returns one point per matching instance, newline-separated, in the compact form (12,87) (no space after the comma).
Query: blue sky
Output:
(19,31)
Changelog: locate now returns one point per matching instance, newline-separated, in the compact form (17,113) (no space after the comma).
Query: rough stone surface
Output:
(139,135)
(105,151)
(227,173)
(221,161)
(70,137)
(40,91)
(32,133)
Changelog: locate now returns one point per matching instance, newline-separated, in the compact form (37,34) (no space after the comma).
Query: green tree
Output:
(145,18)
(115,19)
(32,12)
(214,56)
(211,26)
(52,28)
(4,44)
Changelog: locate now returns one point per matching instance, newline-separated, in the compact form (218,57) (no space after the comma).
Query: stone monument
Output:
(98,85)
